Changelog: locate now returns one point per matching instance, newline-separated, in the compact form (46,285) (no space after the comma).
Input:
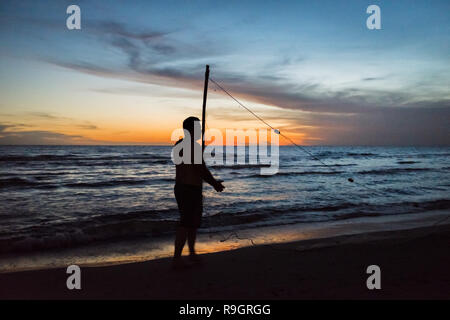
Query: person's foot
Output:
(179,264)
(195,259)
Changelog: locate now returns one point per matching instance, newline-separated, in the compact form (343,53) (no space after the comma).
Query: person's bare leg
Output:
(191,236)
(193,257)
(180,240)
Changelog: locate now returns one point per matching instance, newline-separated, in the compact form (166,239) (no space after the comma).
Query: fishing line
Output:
(235,233)
(350,179)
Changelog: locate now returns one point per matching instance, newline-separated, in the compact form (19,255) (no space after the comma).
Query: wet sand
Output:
(414,264)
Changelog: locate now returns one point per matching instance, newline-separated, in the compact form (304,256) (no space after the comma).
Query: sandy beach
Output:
(414,265)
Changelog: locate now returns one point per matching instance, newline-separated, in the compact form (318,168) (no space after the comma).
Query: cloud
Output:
(131,42)
(396,126)
(148,50)
(67,120)
(87,126)
(20,133)
(152,56)
(372,78)
(362,114)
(119,29)
(7,126)
(348,116)
(11,134)
(269,90)
(40,138)
(44,115)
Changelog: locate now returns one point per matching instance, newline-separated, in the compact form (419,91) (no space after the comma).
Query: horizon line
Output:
(171,145)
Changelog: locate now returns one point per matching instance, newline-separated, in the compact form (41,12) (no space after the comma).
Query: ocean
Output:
(60,197)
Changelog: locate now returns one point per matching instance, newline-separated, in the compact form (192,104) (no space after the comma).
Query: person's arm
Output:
(206,175)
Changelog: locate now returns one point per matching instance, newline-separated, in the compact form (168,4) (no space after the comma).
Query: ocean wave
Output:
(361,154)
(295,173)
(46,182)
(76,236)
(435,155)
(96,228)
(153,223)
(107,183)
(343,210)
(43,157)
(343,154)
(334,165)
(394,208)
(15,182)
(240,166)
(392,171)
(72,157)
(23,182)
(407,162)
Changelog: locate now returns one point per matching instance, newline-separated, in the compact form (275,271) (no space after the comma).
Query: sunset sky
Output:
(310,68)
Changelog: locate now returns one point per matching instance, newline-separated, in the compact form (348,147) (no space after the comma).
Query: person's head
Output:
(193,126)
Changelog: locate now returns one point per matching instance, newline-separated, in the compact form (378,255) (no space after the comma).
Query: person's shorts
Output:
(190,204)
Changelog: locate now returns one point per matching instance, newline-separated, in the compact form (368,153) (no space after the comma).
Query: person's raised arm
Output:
(206,175)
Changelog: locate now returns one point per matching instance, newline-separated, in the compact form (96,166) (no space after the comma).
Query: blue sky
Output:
(312,68)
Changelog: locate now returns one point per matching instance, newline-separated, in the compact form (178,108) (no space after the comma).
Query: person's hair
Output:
(188,124)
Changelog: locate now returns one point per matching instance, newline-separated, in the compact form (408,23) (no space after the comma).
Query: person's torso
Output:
(187,174)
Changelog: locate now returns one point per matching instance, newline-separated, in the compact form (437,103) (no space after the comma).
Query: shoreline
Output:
(414,265)
(132,251)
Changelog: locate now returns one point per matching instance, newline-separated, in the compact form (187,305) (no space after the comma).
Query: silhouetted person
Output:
(188,193)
